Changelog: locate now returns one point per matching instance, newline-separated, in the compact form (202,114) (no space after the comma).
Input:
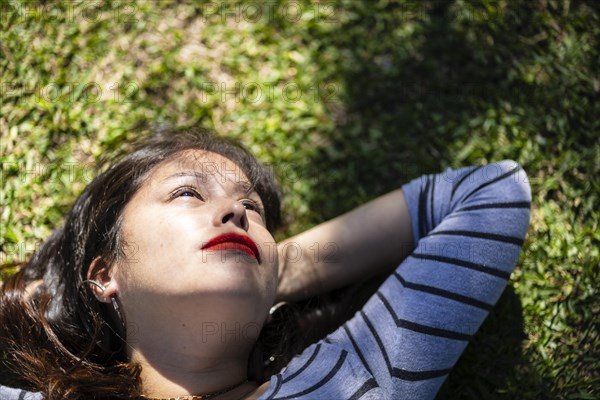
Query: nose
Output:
(234,212)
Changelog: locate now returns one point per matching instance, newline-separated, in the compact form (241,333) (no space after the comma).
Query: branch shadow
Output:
(404,103)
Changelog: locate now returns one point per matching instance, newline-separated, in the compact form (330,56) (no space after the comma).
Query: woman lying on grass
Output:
(159,283)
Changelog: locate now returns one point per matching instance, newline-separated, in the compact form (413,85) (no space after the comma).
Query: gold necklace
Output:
(196,396)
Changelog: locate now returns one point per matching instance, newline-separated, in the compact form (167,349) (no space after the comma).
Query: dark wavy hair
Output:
(54,336)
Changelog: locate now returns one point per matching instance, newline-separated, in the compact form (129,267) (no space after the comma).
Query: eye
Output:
(252,205)
(185,191)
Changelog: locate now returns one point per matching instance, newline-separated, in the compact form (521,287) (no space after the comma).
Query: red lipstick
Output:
(233,241)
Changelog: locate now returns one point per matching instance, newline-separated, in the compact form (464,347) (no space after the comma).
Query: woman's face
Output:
(195,236)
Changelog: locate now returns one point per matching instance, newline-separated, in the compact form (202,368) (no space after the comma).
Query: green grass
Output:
(346,100)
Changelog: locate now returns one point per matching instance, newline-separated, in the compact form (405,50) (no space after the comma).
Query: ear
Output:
(100,271)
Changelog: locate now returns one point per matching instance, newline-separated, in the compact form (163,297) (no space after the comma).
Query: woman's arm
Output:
(468,226)
(370,240)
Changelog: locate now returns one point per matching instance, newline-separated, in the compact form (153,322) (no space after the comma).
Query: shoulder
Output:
(7,393)
(323,370)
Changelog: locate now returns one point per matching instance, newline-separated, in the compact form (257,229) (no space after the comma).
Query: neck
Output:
(243,390)
(188,358)
(178,376)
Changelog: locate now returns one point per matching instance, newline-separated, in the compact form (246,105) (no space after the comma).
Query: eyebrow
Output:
(242,187)
(194,174)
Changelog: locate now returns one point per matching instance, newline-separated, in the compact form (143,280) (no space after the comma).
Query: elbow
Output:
(517,185)
(516,189)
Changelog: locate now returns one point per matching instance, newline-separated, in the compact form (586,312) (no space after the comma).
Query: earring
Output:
(276,307)
(96,283)
(113,299)
(117,306)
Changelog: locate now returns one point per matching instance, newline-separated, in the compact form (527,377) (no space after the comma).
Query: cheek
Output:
(153,230)
(151,243)
(266,243)
(268,248)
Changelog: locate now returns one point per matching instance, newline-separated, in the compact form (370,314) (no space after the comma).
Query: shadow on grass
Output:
(403,99)
(407,101)
(493,365)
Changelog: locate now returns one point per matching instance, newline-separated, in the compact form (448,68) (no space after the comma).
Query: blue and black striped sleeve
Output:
(7,393)
(468,227)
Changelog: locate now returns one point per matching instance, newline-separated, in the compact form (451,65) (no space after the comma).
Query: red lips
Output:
(233,241)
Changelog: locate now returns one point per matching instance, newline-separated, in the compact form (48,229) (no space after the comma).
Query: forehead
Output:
(200,164)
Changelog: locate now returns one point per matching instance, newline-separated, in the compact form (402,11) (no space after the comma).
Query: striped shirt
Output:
(468,227)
